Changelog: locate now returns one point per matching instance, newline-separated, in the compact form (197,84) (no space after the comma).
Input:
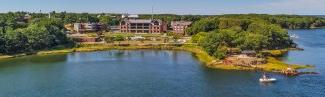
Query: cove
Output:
(144,73)
(155,73)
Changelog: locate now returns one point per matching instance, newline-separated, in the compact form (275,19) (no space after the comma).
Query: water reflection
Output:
(35,60)
(47,59)
(267,84)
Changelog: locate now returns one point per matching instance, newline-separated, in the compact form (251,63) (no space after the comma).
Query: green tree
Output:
(252,42)
(119,38)
(221,52)
(16,43)
(199,37)
(211,43)
(204,25)
(109,39)
(105,19)
(38,37)
(2,42)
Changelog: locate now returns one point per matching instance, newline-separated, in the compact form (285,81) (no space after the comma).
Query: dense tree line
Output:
(108,19)
(66,18)
(285,21)
(20,35)
(219,34)
(297,22)
(168,18)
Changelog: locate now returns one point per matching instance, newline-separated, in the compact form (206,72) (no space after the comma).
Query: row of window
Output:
(141,31)
(178,27)
(140,25)
(125,27)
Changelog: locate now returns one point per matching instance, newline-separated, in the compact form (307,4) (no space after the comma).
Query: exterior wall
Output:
(179,27)
(77,26)
(114,28)
(139,28)
(142,27)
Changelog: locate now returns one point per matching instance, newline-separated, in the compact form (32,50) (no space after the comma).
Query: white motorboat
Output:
(267,79)
(294,36)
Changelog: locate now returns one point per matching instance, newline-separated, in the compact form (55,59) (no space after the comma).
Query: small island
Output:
(231,42)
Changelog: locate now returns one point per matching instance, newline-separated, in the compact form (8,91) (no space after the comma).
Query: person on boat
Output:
(265,76)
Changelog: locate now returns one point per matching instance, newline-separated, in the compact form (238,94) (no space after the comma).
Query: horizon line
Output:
(45,12)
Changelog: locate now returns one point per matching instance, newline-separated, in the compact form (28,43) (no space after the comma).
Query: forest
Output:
(217,35)
(285,21)
(21,35)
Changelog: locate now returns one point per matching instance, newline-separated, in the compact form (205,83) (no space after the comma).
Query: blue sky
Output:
(209,7)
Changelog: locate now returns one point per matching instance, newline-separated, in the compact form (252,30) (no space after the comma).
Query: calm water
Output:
(156,73)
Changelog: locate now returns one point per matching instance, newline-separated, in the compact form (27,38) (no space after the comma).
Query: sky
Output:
(192,7)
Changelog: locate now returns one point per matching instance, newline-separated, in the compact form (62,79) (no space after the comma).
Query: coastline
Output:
(321,27)
(272,65)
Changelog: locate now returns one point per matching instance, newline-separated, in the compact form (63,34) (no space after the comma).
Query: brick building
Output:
(134,25)
(179,27)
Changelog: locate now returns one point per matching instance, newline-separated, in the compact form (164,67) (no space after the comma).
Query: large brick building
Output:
(133,25)
(179,27)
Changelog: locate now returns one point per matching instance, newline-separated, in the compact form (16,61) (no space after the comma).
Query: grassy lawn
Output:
(125,34)
(276,53)
(199,53)
(274,64)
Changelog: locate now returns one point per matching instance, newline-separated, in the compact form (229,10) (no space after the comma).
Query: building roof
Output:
(133,16)
(130,16)
(175,23)
(139,21)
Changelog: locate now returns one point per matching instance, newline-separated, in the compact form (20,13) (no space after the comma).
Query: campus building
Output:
(179,27)
(134,25)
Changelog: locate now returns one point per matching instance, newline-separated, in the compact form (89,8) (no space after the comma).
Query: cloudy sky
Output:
(207,7)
